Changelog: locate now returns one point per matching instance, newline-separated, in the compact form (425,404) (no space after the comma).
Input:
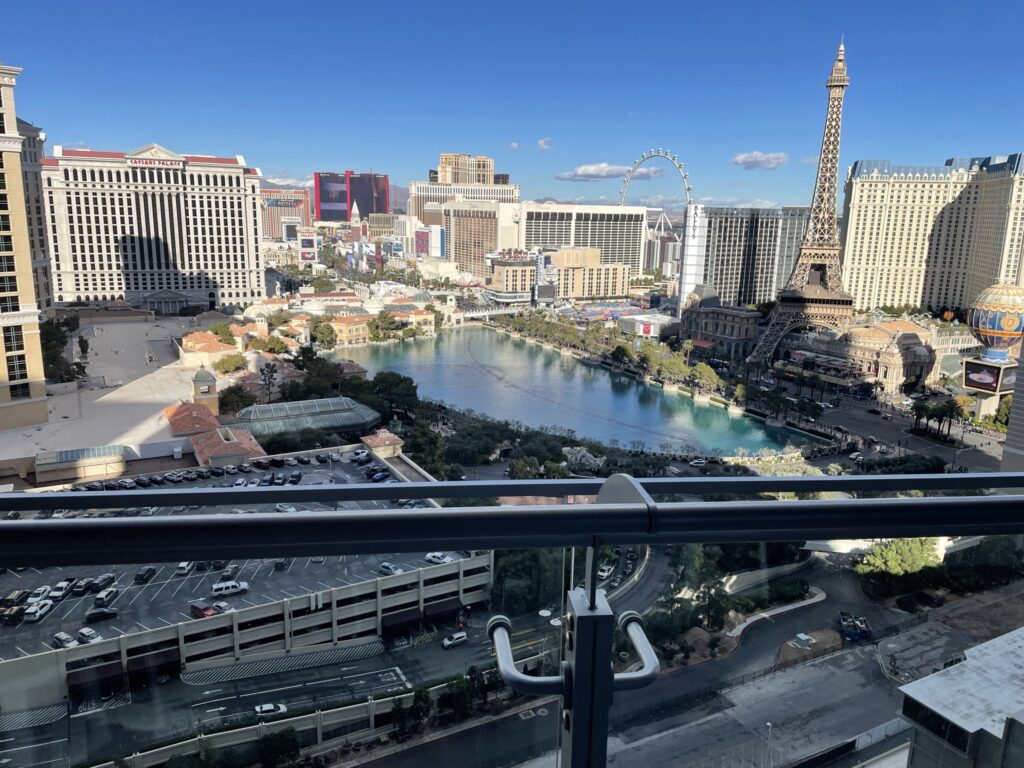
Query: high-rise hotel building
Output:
(22,384)
(157,229)
(932,236)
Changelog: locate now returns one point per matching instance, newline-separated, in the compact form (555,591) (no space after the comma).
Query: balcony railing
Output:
(652,511)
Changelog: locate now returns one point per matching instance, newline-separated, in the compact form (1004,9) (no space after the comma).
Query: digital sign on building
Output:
(988,377)
(422,242)
(369,191)
(331,197)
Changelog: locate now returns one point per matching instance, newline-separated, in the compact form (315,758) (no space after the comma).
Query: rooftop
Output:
(329,413)
(981,692)
(225,442)
(190,419)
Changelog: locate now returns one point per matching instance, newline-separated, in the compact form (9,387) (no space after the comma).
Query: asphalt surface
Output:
(164,600)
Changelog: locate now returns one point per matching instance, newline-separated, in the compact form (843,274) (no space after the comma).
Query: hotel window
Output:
(14,339)
(17,367)
(20,391)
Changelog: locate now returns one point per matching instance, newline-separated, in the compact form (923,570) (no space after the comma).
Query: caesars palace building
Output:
(159,230)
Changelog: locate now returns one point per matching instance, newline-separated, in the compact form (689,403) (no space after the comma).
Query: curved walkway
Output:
(817,595)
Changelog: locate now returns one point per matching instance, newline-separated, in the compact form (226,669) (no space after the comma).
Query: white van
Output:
(105,597)
(457,639)
(184,569)
(229,588)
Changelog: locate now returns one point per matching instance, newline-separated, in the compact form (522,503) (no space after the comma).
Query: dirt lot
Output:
(824,639)
(986,615)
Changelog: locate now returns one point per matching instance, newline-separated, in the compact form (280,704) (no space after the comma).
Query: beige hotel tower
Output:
(22,384)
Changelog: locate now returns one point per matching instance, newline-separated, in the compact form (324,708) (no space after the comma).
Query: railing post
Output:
(588,694)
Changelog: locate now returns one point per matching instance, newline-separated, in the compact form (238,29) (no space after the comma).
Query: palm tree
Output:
(817,384)
(687,349)
(953,410)
(920,410)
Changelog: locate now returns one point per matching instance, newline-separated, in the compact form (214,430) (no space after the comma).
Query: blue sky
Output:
(543,87)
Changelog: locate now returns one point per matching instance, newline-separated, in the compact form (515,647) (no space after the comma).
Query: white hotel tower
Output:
(154,228)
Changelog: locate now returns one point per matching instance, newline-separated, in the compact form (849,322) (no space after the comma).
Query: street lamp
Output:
(769,726)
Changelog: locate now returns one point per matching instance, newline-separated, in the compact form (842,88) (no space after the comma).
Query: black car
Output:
(13,515)
(143,482)
(281,564)
(144,574)
(111,485)
(81,586)
(322,458)
(102,582)
(295,478)
(230,573)
(157,480)
(100,614)
(217,471)
(302,459)
(94,486)
(277,462)
(44,514)
(261,463)
(218,564)
(202,565)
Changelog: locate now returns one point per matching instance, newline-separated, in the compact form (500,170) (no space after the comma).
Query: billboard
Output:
(284,202)
(331,197)
(307,255)
(988,377)
(422,242)
(307,242)
(291,231)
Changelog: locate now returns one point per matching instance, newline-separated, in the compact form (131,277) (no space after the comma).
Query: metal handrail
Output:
(696,486)
(132,540)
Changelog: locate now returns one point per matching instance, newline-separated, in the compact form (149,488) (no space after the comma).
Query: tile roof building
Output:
(226,446)
(190,419)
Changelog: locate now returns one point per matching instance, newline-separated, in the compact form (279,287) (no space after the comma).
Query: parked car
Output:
(295,478)
(64,640)
(157,479)
(438,558)
(81,586)
(222,588)
(217,471)
(105,597)
(17,597)
(87,635)
(172,477)
(321,458)
(143,482)
(335,457)
(240,482)
(221,607)
(101,582)
(38,595)
(37,611)
(291,462)
(389,569)
(230,469)
(615,583)
(280,479)
(267,480)
(360,453)
(13,615)
(144,574)
(698,463)
(126,483)
(285,508)
(303,459)
(100,614)
(60,590)
(190,476)
(245,468)
(230,573)
(605,571)
(282,563)
(200,609)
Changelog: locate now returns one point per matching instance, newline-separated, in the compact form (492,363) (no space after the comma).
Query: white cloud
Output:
(738,202)
(602,171)
(289,181)
(545,144)
(513,145)
(764,161)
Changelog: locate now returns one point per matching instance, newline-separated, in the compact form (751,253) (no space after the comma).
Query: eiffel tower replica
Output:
(814,296)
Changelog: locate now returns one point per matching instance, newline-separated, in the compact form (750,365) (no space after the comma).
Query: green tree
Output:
(398,392)
(705,378)
(83,346)
(953,411)
(686,349)
(621,355)
(740,392)
(555,471)
(420,708)
(303,357)
(324,335)
(277,749)
(272,344)
(268,374)
(898,557)
(920,411)
(1003,411)
(323,285)
(524,469)
(223,332)
(235,398)
(457,698)
(280,317)
(229,363)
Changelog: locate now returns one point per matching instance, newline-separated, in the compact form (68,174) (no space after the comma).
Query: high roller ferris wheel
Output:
(658,154)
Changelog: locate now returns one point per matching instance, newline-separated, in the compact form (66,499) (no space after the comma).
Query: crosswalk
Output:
(31,718)
(91,707)
(284,664)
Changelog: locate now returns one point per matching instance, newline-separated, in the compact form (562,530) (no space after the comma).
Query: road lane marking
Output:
(33,746)
(249,603)
(285,591)
(142,625)
(165,621)
(21,650)
(325,586)
(268,597)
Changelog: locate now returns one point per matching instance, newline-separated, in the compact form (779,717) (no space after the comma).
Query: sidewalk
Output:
(817,595)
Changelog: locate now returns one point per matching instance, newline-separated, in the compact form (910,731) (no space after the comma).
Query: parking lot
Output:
(165,598)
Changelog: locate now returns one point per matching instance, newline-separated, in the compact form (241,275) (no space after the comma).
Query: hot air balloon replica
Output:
(996,319)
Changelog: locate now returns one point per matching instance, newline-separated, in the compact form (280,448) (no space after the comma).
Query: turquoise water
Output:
(491,373)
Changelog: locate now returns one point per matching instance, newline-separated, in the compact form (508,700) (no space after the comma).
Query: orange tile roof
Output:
(204,341)
(190,418)
(211,445)
(381,438)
